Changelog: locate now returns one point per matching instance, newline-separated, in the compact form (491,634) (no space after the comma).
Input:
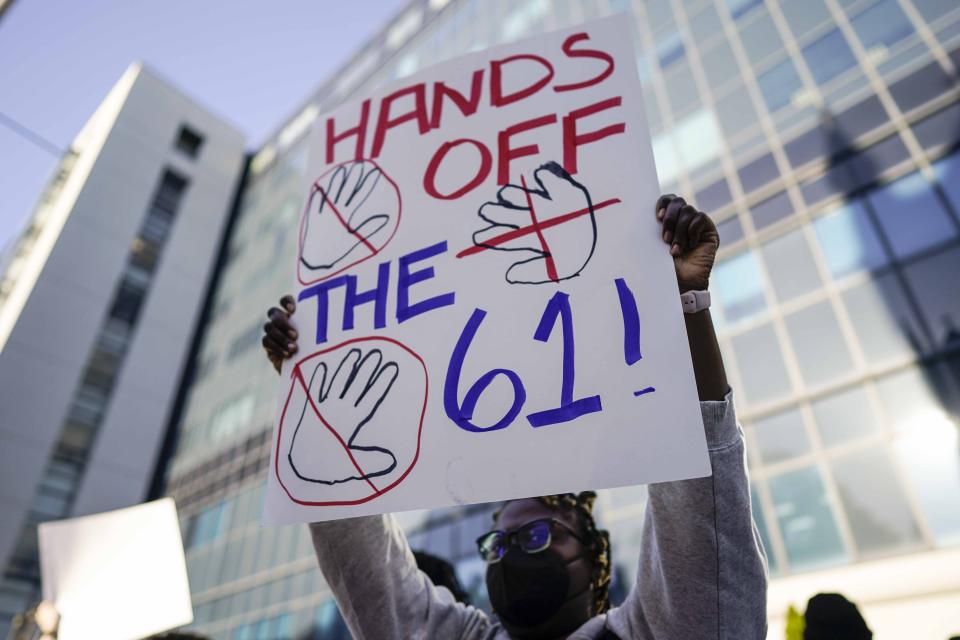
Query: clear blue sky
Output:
(251,62)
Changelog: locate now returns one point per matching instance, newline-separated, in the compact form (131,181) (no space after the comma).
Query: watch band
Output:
(695,301)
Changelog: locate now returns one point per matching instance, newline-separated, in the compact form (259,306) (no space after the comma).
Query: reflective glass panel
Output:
(935,284)
(828,57)
(736,112)
(771,210)
(681,88)
(948,175)
(760,38)
(705,24)
(714,196)
(933,9)
(790,264)
(698,139)
(738,286)
(804,16)
(740,8)
(874,501)
(758,172)
(886,328)
(779,85)
(911,215)
(849,241)
(669,49)
(882,25)
(927,447)
(807,523)
(781,437)
(819,345)
(845,416)
(719,64)
(760,361)
(730,230)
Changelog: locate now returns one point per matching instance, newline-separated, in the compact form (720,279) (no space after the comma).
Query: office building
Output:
(99,297)
(822,136)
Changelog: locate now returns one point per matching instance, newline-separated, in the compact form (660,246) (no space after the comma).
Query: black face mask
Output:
(527,589)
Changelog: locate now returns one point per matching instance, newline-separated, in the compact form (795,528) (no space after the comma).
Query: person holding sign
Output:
(702,570)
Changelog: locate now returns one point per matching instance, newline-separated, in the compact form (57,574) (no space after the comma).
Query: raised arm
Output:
(702,570)
(366,561)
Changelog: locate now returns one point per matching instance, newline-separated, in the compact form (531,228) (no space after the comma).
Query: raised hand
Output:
(279,336)
(352,213)
(344,395)
(547,253)
(693,241)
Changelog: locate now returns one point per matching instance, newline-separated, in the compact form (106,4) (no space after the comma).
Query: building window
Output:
(848,240)
(249,338)
(828,57)
(911,215)
(779,85)
(806,520)
(738,285)
(781,437)
(189,141)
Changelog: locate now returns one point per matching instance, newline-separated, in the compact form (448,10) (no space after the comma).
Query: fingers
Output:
(366,184)
(504,214)
(276,361)
(280,321)
(276,353)
(363,373)
(662,203)
(684,226)
(346,371)
(279,335)
(277,346)
(695,231)
(556,185)
(671,213)
(379,385)
(512,196)
(352,181)
(680,233)
(529,271)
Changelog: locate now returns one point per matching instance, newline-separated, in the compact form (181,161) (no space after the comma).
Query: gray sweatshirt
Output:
(702,570)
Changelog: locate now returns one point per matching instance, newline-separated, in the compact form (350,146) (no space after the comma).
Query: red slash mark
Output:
(316,411)
(548,258)
(346,226)
(537,227)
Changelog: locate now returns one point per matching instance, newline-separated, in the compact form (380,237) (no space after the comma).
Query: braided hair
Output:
(598,540)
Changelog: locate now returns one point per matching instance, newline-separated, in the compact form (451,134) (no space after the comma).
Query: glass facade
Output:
(821,135)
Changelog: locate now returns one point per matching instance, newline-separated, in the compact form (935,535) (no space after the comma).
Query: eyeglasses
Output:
(533,537)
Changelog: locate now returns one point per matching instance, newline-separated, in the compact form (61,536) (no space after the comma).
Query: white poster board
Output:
(485,308)
(117,575)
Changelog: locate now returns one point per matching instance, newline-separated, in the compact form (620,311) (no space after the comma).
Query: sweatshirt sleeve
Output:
(378,588)
(703,570)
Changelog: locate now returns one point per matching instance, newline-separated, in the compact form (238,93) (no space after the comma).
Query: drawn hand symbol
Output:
(352,213)
(341,403)
(553,223)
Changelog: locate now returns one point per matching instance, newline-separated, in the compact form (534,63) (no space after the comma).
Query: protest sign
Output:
(117,575)
(485,308)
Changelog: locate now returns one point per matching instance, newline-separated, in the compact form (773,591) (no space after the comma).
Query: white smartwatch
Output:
(695,301)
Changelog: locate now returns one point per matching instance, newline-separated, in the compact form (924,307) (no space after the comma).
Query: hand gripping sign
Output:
(485,309)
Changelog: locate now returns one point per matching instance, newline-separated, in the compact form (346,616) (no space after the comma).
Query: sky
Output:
(251,62)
